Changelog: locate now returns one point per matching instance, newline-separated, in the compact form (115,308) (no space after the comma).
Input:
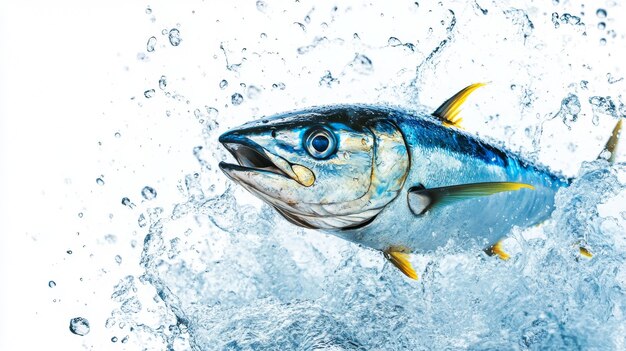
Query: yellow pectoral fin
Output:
(448,112)
(401,261)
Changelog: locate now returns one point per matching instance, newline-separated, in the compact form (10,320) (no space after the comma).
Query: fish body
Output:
(391,180)
(440,157)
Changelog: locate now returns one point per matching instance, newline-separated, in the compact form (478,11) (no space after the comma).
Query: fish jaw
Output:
(260,169)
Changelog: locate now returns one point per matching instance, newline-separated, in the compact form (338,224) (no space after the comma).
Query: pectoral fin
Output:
(401,261)
(448,112)
(421,200)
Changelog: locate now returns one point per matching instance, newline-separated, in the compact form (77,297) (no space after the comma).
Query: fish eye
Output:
(320,143)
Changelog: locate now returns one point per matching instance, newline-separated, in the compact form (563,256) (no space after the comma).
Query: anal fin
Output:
(497,250)
(401,261)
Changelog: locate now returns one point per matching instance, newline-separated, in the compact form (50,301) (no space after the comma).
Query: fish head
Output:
(326,168)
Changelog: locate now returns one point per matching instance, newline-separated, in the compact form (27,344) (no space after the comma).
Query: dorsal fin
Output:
(612,143)
(448,112)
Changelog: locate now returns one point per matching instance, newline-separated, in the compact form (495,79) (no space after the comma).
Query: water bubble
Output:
(604,105)
(602,42)
(261,6)
(118,259)
(393,41)
(253,92)
(263,35)
(362,64)
(99,181)
(151,44)
(212,112)
(126,202)
(162,83)
(117,134)
(79,326)
(174,37)
(141,221)
(223,84)
(125,339)
(80,215)
(114,339)
(148,193)
(236,99)
(69,252)
(601,25)
(279,85)
(570,108)
(52,284)
(601,13)
(328,80)
(148,93)
(109,322)
(148,10)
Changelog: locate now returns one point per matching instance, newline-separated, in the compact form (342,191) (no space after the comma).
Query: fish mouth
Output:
(253,158)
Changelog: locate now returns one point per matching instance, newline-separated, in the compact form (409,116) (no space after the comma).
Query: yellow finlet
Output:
(584,252)
(448,112)
(612,143)
(401,261)
(499,251)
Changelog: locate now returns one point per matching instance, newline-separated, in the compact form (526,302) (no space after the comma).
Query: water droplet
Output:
(601,13)
(99,181)
(362,64)
(148,93)
(307,19)
(69,252)
(570,108)
(302,26)
(162,83)
(279,85)
(601,26)
(602,42)
(126,202)
(328,79)
(109,322)
(80,215)
(148,10)
(236,99)
(151,44)
(263,35)
(117,135)
(52,284)
(148,193)
(212,112)
(79,326)
(174,37)
(261,6)
(253,92)
(393,41)
(118,259)
(142,221)
(114,339)
(356,36)
(223,84)
(125,339)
